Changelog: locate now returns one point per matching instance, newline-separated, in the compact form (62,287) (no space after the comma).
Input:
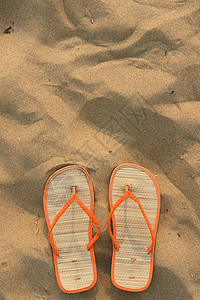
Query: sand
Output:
(99,83)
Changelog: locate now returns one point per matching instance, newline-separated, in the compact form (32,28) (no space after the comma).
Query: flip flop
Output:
(134,209)
(68,206)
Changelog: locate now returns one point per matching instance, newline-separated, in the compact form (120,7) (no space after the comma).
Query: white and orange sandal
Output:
(68,206)
(134,209)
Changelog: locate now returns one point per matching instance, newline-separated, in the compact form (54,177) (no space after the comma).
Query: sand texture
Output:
(99,83)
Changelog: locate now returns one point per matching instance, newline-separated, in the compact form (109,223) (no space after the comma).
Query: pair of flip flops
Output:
(134,210)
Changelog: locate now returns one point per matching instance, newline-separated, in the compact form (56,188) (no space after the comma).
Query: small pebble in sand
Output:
(46,291)
(8,30)
(4,264)
(179,234)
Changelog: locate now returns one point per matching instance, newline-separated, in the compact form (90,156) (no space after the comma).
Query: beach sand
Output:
(99,83)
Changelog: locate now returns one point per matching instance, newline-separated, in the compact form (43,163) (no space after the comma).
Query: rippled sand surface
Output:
(99,83)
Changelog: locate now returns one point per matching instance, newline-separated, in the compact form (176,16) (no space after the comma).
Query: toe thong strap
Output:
(59,214)
(133,197)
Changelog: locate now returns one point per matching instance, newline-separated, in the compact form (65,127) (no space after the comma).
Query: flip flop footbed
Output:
(75,266)
(132,265)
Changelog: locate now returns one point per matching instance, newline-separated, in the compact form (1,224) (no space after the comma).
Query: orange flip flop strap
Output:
(130,195)
(93,218)
(59,214)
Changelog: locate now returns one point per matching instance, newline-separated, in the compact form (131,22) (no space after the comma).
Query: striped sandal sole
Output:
(75,266)
(134,226)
